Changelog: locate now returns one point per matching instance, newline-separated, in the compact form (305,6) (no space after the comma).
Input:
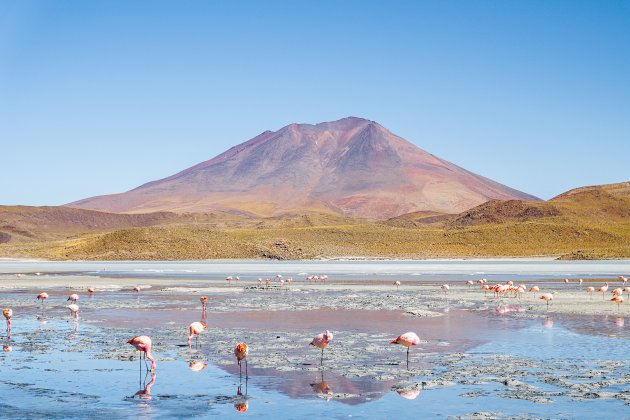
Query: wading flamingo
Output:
(603,289)
(241,351)
(195,329)
(618,300)
(74,310)
(143,343)
(469,283)
(581,281)
(590,290)
(259,281)
(136,289)
(407,339)
(73,297)
(197,366)
(42,296)
(617,292)
(534,289)
(566,281)
(8,313)
(445,288)
(321,341)
(627,290)
(397,284)
(91,290)
(204,303)
(547,297)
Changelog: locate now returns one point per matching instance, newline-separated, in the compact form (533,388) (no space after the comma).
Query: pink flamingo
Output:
(195,329)
(136,289)
(407,339)
(74,310)
(204,303)
(566,281)
(42,296)
(397,284)
(469,283)
(623,280)
(241,351)
(581,281)
(445,288)
(534,289)
(8,313)
(91,290)
(547,297)
(259,281)
(590,290)
(617,292)
(627,290)
(143,343)
(618,300)
(73,297)
(485,289)
(603,289)
(321,341)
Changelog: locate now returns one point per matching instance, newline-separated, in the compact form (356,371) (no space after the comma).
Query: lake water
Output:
(475,361)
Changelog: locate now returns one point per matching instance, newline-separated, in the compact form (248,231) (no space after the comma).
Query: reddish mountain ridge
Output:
(353,167)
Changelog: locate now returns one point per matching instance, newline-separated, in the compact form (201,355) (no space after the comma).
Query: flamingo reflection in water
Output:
(240,400)
(144,393)
(321,388)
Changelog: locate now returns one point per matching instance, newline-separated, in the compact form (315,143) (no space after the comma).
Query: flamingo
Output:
(590,291)
(74,310)
(321,341)
(259,281)
(91,290)
(623,280)
(8,313)
(618,300)
(73,297)
(485,289)
(42,296)
(547,297)
(136,289)
(196,328)
(143,343)
(241,351)
(407,339)
(520,290)
(534,289)
(397,284)
(603,289)
(627,290)
(469,283)
(445,288)
(581,281)
(267,282)
(204,303)
(617,292)
(145,393)
(566,281)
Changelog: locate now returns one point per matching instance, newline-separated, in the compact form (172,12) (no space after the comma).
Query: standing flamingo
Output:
(195,329)
(136,289)
(590,290)
(143,343)
(204,303)
(73,297)
(566,281)
(534,289)
(547,297)
(397,284)
(617,292)
(241,351)
(469,283)
(8,313)
(42,296)
(603,289)
(618,300)
(445,288)
(74,310)
(321,341)
(91,290)
(581,281)
(259,281)
(627,290)
(407,339)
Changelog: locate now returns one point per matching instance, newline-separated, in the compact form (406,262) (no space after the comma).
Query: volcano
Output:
(351,167)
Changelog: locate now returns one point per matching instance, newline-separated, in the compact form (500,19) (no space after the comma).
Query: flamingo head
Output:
(203,324)
(395,341)
(241,347)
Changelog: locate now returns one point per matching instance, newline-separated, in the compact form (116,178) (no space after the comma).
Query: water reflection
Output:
(197,366)
(240,400)
(620,321)
(548,322)
(144,393)
(321,388)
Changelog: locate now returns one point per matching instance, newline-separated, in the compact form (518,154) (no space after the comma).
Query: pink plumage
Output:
(144,343)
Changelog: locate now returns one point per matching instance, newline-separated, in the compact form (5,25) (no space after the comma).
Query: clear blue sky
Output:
(99,97)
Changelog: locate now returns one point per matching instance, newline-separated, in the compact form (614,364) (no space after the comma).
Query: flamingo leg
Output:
(246,374)
(321,360)
(240,370)
(407,358)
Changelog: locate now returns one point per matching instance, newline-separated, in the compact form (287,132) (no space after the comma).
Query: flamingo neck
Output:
(151,358)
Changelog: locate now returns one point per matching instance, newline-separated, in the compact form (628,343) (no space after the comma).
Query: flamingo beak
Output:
(394,341)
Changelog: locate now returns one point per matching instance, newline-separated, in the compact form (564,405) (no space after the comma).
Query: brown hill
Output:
(351,167)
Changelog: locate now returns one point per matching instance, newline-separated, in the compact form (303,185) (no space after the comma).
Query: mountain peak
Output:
(351,166)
